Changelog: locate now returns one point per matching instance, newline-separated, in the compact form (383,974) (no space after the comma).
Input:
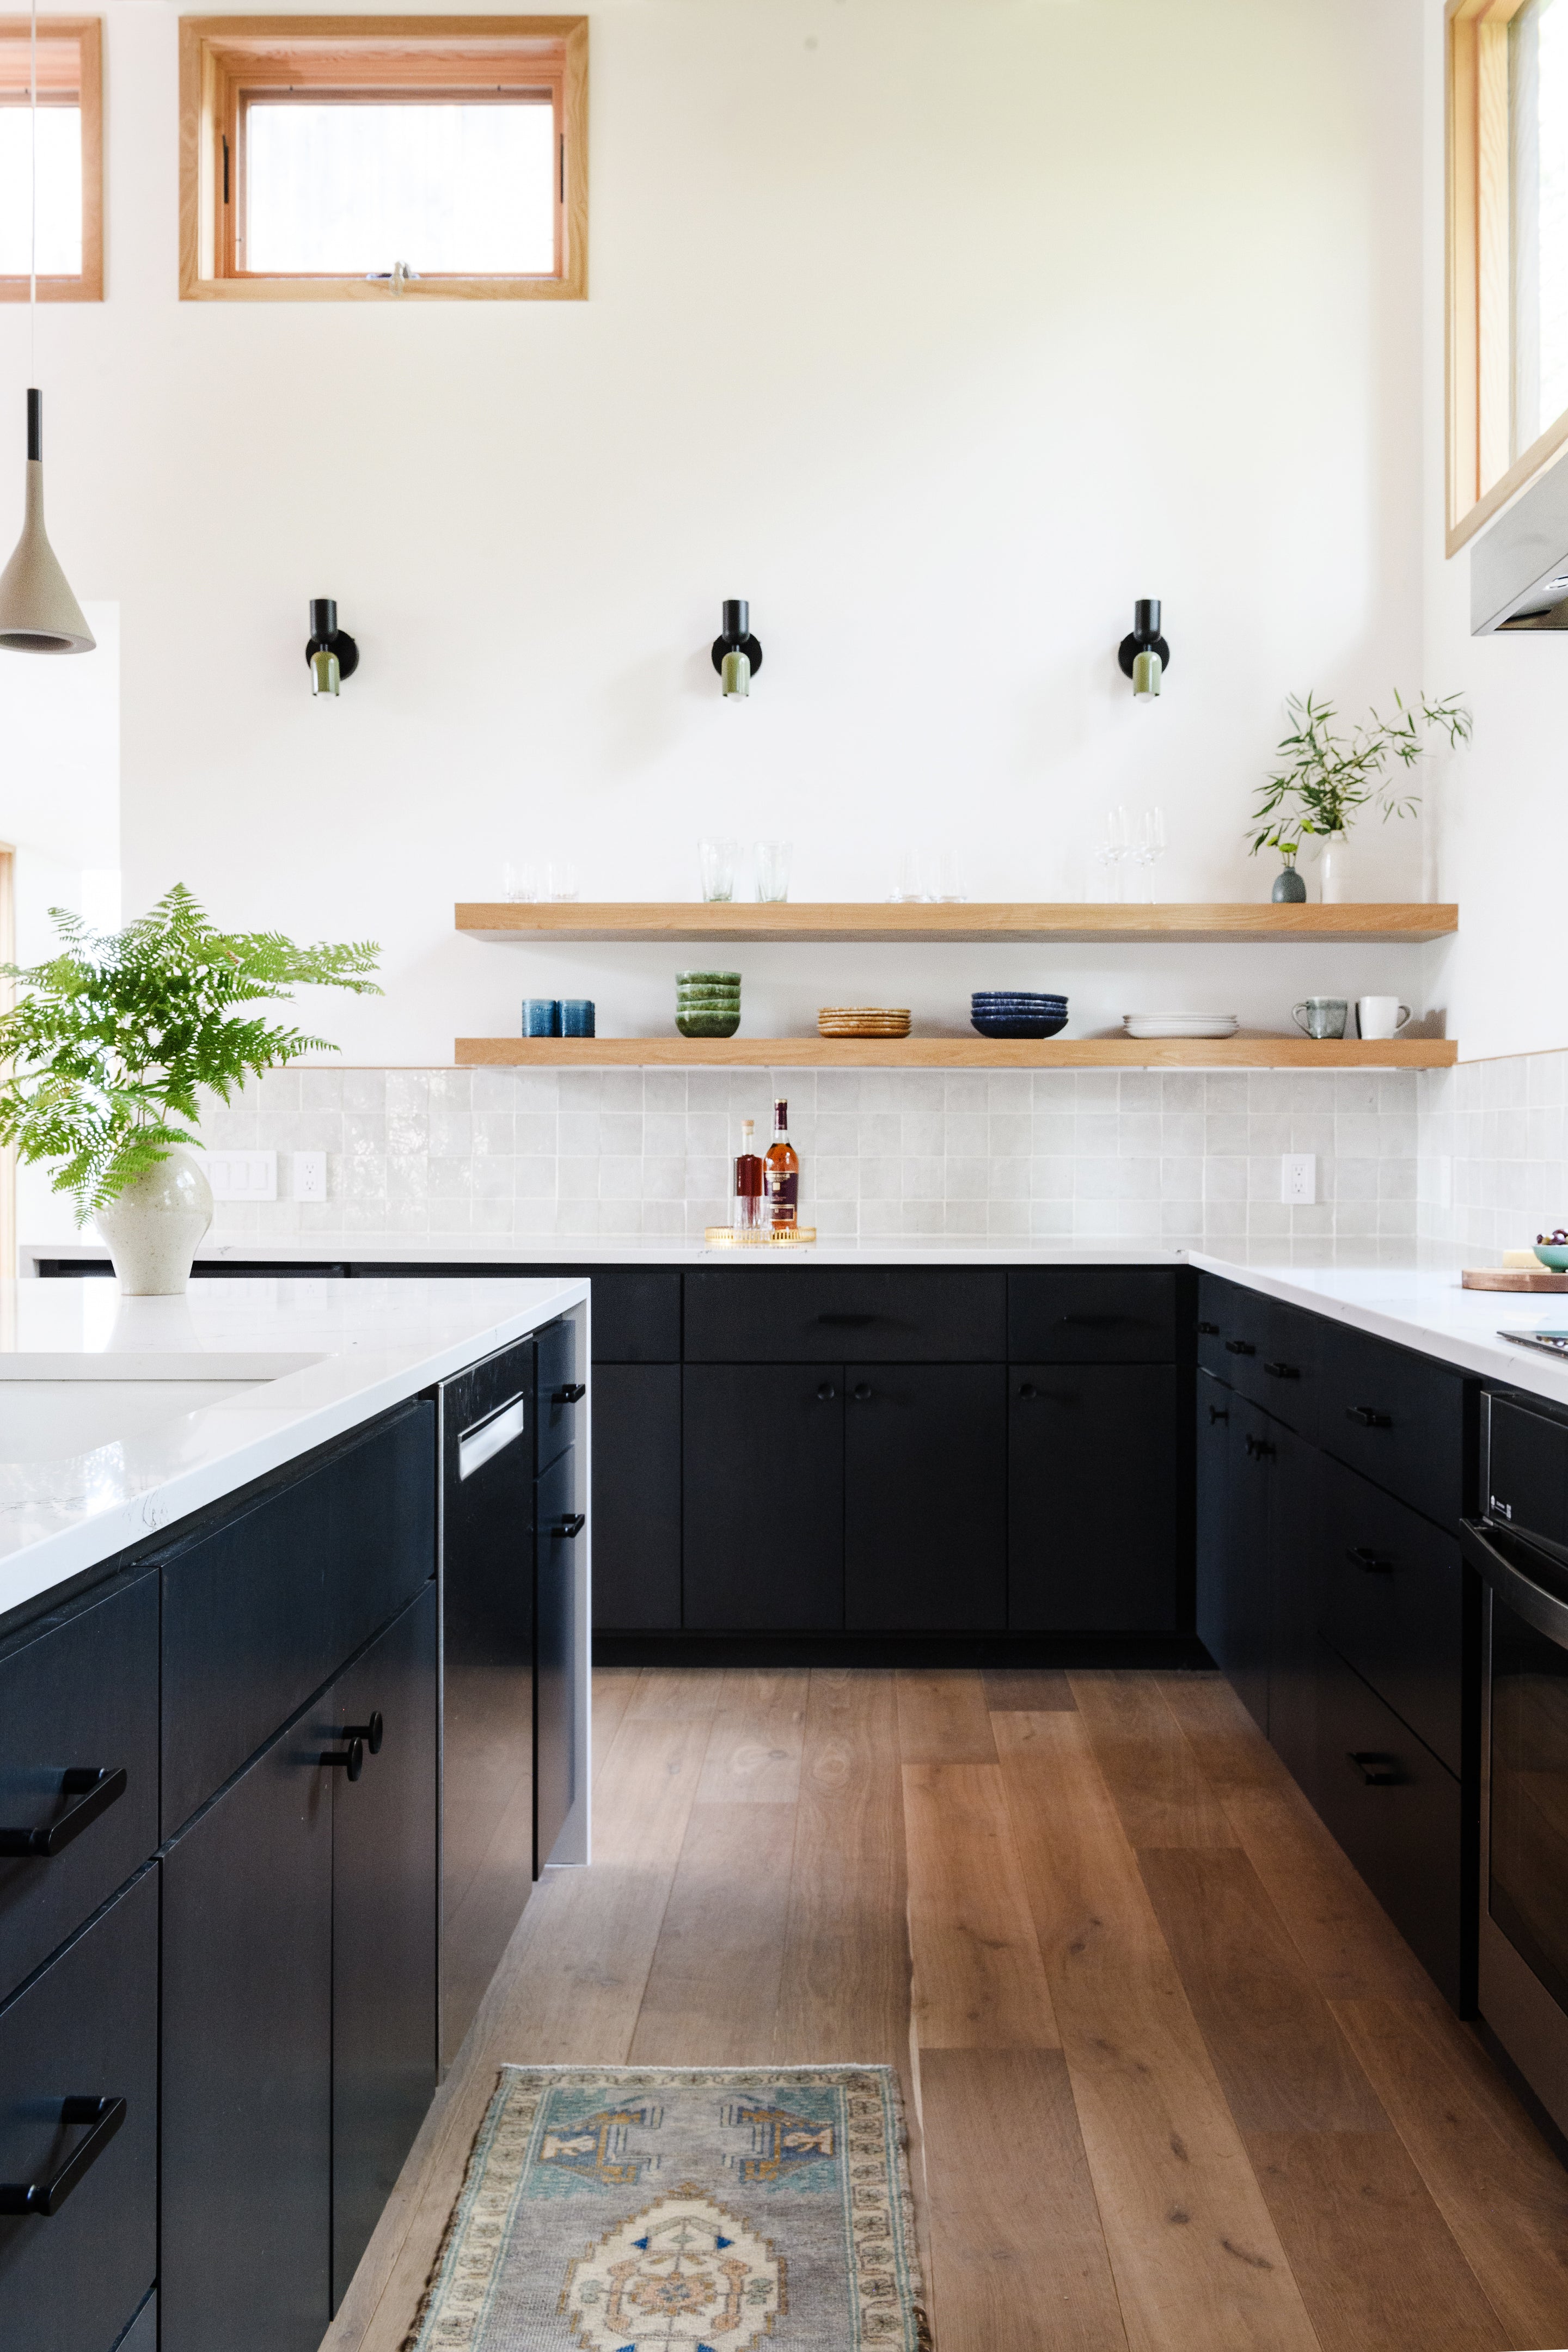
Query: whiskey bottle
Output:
(751,1206)
(783,1173)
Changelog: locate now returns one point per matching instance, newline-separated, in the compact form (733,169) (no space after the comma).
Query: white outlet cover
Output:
(242,1175)
(1299,1179)
(310,1175)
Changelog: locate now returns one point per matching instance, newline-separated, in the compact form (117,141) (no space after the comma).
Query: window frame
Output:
(223,56)
(88,33)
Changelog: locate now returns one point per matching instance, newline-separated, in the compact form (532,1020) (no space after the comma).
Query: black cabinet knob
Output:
(1368,1416)
(862,1392)
(351,1759)
(99,1786)
(1259,1449)
(1377,1771)
(571,1523)
(46,2197)
(1282,1371)
(573,1393)
(1029,1391)
(825,1393)
(1239,1348)
(372,1733)
(1218,1412)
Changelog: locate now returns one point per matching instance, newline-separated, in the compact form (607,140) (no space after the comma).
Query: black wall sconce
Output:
(736,656)
(330,651)
(1144,656)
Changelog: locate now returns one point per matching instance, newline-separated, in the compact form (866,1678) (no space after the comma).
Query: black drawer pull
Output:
(372,1733)
(1218,1412)
(47,2197)
(571,1523)
(1374,1562)
(1239,1348)
(1283,1371)
(1259,1448)
(853,1322)
(825,1393)
(1378,1771)
(351,1759)
(98,1786)
(1209,1330)
(1028,1391)
(1368,1418)
(573,1393)
(862,1392)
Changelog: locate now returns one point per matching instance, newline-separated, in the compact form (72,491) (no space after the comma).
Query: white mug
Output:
(1379,1016)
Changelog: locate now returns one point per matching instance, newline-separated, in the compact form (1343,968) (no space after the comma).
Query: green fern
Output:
(106,1053)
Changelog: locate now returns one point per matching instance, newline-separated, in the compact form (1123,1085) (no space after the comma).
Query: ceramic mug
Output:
(1379,1016)
(1321,1016)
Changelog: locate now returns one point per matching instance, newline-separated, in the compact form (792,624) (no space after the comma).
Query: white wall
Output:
(941,330)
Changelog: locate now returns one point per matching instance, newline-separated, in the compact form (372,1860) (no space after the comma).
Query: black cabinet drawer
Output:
(77,1699)
(260,1612)
(1093,1538)
(1391,1602)
(763,1497)
(559,1391)
(71,2280)
(1092,1315)
(637,1497)
(1397,1812)
(1265,1350)
(884,1314)
(1397,1417)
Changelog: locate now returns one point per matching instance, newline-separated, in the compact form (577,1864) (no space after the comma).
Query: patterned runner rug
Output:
(682,2208)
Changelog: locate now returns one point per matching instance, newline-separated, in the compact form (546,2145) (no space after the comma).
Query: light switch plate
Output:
(310,1175)
(1299,1179)
(242,1175)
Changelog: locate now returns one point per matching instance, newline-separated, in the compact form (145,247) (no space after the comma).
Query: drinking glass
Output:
(1118,841)
(1148,850)
(950,888)
(520,883)
(772,860)
(716,861)
(561,879)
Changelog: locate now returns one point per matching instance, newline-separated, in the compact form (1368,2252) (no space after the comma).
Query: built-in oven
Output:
(1519,1546)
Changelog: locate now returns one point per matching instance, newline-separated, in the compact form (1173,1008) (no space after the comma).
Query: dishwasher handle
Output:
(485,1439)
(1538,1607)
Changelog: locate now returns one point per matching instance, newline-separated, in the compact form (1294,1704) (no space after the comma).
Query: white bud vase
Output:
(1333,870)
(154,1227)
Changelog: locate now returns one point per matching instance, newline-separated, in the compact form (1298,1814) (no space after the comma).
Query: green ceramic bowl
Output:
(1551,1254)
(708,980)
(708,1024)
(705,996)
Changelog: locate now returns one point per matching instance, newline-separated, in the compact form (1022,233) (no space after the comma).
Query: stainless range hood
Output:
(1518,569)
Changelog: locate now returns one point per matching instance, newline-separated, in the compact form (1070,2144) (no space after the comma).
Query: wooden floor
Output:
(1174,2079)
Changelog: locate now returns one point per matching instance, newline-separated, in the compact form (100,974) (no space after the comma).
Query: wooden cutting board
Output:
(1501,1277)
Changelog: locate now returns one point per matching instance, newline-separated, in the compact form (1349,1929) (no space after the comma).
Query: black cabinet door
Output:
(636,1497)
(555,1705)
(87,2027)
(1092,1535)
(1218,1433)
(1238,1447)
(925,1497)
(764,1456)
(384,1923)
(1294,1567)
(247,2066)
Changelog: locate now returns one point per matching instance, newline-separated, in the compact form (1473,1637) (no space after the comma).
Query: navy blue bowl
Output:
(1017,996)
(1005,1004)
(1018,1024)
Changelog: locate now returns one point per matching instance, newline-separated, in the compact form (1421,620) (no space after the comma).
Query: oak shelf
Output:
(1410,924)
(1264,1053)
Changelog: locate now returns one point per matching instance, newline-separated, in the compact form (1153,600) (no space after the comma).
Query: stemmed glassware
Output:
(1148,848)
(1118,841)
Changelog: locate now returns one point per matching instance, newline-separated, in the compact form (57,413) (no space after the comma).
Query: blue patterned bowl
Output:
(1018,1024)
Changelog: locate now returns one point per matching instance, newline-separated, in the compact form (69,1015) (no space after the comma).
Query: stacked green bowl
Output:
(707,1003)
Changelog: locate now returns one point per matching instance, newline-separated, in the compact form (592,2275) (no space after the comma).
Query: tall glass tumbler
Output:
(773,860)
(716,862)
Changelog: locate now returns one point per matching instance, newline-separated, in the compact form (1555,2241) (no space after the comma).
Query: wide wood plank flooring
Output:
(1174,2083)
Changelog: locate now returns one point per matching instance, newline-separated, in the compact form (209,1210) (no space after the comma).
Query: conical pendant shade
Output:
(38,614)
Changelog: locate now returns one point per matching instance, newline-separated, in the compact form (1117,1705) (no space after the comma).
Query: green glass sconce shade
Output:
(736,656)
(38,613)
(330,651)
(1143,655)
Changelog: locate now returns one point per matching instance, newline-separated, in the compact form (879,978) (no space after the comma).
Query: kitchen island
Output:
(225,1600)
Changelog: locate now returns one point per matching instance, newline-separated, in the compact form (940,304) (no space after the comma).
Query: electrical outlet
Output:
(310,1175)
(1299,1179)
(242,1175)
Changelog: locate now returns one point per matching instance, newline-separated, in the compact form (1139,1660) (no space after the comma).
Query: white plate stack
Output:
(1180,1024)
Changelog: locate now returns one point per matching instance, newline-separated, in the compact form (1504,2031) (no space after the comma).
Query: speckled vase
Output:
(154,1227)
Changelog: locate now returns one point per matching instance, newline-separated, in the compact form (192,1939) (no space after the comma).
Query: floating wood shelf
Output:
(686,924)
(958,1053)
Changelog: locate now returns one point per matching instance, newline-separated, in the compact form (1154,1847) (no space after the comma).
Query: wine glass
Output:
(1149,849)
(1118,841)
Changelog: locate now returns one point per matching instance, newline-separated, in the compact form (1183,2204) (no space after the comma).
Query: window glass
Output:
(60,190)
(345,186)
(1538,205)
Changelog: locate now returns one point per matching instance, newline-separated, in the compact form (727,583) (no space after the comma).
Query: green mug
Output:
(1321,1016)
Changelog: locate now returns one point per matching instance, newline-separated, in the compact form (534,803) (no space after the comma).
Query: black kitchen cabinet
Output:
(636,1506)
(1092,1315)
(558,1528)
(1092,1509)
(1295,1575)
(1237,1446)
(247,2061)
(384,1920)
(802,1315)
(925,1508)
(763,1484)
(85,2029)
(1213,1482)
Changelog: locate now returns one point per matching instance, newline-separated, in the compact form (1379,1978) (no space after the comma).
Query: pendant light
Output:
(38,614)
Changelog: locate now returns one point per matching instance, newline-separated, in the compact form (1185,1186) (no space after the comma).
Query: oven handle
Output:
(1532,1602)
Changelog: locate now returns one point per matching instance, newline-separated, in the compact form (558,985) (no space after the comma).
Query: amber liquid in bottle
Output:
(751,1206)
(784,1174)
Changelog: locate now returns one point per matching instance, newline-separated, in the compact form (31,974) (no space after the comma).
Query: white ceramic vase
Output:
(1333,870)
(154,1227)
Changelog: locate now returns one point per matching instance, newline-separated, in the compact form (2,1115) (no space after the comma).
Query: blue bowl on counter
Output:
(1023,1022)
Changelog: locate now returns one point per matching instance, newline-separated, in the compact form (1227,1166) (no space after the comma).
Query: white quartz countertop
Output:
(296,1363)
(464,1249)
(1422,1307)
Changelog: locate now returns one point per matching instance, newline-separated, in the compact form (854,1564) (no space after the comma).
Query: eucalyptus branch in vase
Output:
(1327,777)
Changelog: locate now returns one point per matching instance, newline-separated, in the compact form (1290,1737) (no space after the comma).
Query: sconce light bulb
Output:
(1147,670)
(325,674)
(735,674)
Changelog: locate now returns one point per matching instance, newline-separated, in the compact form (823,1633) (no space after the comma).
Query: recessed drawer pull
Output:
(852,1322)
(1378,1771)
(571,1523)
(573,1393)
(46,2197)
(1239,1348)
(1218,1412)
(1209,1330)
(481,1444)
(1282,1371)
(98,1786)
(1368,1417)
(1374,1562)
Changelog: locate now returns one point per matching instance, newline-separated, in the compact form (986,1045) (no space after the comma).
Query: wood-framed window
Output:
(377,158)
(70,159)
(1507,251)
